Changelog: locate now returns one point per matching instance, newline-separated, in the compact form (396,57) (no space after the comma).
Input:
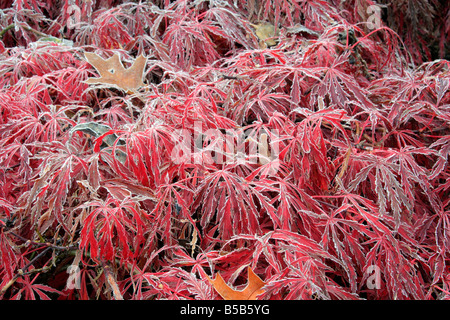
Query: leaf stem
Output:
(2,33)
(24,26)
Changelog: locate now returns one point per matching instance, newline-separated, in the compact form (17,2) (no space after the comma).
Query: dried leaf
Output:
(265,33)
(113,72)
(250,292)
(100,131)
(96,129)
(298,28)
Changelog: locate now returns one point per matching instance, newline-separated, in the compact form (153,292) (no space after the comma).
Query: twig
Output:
(46,244)
(112,282)
(22,271)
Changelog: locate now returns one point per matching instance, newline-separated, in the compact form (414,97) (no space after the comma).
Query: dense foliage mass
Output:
(144,183)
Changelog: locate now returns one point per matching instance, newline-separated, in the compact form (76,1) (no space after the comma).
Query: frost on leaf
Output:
(113,72)
(226,144)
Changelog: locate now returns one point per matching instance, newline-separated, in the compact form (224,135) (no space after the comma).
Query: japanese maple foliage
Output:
(315,156)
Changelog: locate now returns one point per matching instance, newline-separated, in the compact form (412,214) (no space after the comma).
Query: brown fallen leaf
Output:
(250,292)
(265,33)
(113,72)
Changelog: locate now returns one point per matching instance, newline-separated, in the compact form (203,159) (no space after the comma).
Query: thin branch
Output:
(23,271)
(112,282)
(46,244)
